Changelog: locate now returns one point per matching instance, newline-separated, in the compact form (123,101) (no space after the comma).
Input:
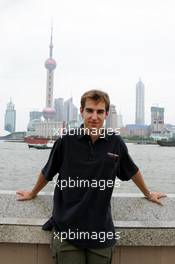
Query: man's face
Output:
(93,114)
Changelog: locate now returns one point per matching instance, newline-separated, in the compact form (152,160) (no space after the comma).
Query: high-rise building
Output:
(140,103)
(70,112)
(59,108)
(10,117)
(111,121)
(74,113)
(157,120)
(35,115)
(133,130)
(50,65)
(119,120)
(80,120)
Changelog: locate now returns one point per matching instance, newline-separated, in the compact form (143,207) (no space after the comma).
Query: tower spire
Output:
(51,43)
(50,64)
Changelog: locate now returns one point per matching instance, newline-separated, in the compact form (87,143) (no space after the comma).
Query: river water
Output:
(20,166)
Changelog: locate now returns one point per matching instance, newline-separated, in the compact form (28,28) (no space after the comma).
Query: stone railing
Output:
(147,230)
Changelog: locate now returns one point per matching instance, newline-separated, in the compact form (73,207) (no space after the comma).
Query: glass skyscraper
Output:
(140,103)
(10,118)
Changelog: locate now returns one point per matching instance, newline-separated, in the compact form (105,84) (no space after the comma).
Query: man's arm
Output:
(28,195)
(151,196)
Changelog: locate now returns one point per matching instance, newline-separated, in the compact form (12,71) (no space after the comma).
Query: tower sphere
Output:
(50,64)
(49,113)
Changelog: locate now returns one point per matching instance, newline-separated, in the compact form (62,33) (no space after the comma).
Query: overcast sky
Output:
(105,44)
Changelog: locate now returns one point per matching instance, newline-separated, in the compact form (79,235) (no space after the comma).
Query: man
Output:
(81,208)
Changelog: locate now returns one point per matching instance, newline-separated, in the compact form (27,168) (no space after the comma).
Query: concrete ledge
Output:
(140,222)
(146,237)
(24,234)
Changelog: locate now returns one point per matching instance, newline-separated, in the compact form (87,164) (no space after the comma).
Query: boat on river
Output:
(166,142)
(36,140)
(49,145)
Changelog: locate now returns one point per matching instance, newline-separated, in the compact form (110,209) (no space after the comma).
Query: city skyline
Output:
(67,116)
(99,45)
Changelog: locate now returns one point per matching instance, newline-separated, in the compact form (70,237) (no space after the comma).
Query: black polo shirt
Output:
(89,170)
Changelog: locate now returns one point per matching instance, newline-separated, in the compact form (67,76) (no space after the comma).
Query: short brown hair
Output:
(96,95)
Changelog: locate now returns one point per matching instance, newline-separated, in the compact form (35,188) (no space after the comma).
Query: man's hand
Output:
(25,195)
(151,196)
(155,197)
(28,195)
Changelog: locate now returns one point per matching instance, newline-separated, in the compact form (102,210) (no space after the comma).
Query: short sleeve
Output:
(126,167)
(54,162)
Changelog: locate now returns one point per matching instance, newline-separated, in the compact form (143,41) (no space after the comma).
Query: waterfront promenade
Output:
(147,230)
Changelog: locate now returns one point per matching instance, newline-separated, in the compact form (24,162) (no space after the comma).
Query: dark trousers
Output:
(63,252)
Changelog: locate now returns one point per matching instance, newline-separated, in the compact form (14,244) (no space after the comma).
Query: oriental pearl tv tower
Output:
(50,65)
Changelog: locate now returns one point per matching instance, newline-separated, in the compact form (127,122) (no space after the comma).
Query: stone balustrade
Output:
(147,230)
